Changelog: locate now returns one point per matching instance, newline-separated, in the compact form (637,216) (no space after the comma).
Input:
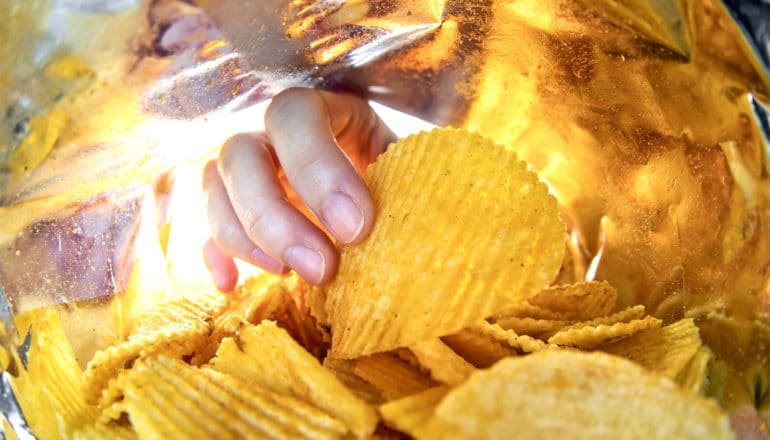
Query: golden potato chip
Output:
(525,343)
(6,429)
(694,376)
(414,411)
(478,349)
(666,350)
(577,302)
(628,314)
(316,301)
(410,358)
(167,398)
(343,370)
(100,431)
(267,297)
(444,364)
(576,395)
(526,310)
(592,336)
(176,327)
(265,354)
(391,376)
(49,389)
(433,264)
(530,326)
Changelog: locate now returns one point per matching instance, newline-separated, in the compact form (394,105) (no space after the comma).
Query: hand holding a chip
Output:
(314,148)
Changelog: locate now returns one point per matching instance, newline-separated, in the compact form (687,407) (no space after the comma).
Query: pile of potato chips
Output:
(442,324)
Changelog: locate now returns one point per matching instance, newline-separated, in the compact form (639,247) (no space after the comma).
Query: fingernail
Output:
(307,262)
(343,216)
(261,259)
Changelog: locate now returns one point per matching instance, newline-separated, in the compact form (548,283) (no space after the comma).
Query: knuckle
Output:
(282,106)
(253,220)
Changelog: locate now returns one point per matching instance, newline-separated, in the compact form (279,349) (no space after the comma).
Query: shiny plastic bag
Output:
(648,120)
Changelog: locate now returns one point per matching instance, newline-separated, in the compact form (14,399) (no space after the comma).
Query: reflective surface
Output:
(648,119)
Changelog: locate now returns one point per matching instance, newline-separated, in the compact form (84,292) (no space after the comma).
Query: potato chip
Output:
(343,370)
(433,264)
(167,398)
(576,395)
(526,344)
(694,376)
(579,301)
(526,310)
(176,327)
(391,376)
(49,388)
(628,314)
(478,349)
(410,413)
(266,355)
(592,336)
(445,365)
(532,327)
(100,431)
(666,350)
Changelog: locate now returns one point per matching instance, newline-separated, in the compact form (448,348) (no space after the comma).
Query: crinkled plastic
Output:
(649,120)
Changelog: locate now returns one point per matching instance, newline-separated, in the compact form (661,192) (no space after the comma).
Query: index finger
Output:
(306,128)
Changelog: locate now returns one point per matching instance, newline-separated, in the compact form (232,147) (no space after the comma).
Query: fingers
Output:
(302,125)
(258,204)
(227,232)
(222,267)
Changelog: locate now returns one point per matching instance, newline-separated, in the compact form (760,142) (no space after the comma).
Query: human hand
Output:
(315,146)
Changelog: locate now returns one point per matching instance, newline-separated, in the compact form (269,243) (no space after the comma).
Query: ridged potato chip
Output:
(479,349)
(177,327)
(694,376)
(626,315)
(50,387)
(524,343)
(593,336)
(343,370)
(576,395)
(167,398)
(391,376)
(463,229)
(666,350)
(444,364)
(100,431)
(410,413)
(579,301)
(265,354)
(539,328)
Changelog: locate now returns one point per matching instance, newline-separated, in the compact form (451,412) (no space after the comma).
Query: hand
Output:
(316,146)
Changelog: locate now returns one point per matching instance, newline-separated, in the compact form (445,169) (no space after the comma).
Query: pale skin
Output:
(316,144)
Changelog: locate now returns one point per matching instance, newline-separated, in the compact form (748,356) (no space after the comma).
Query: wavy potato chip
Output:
(628,314)
(100,431)
(479,349)
(575,395)
(177,327)
(391,376)
(50,387)
(526,344)
(265,354)
(531,326)
(343,370)
(412,412)
(167,398)
(463,229)
(577,302)
(666,350)
(695,375)
(444,364)
(592,336)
